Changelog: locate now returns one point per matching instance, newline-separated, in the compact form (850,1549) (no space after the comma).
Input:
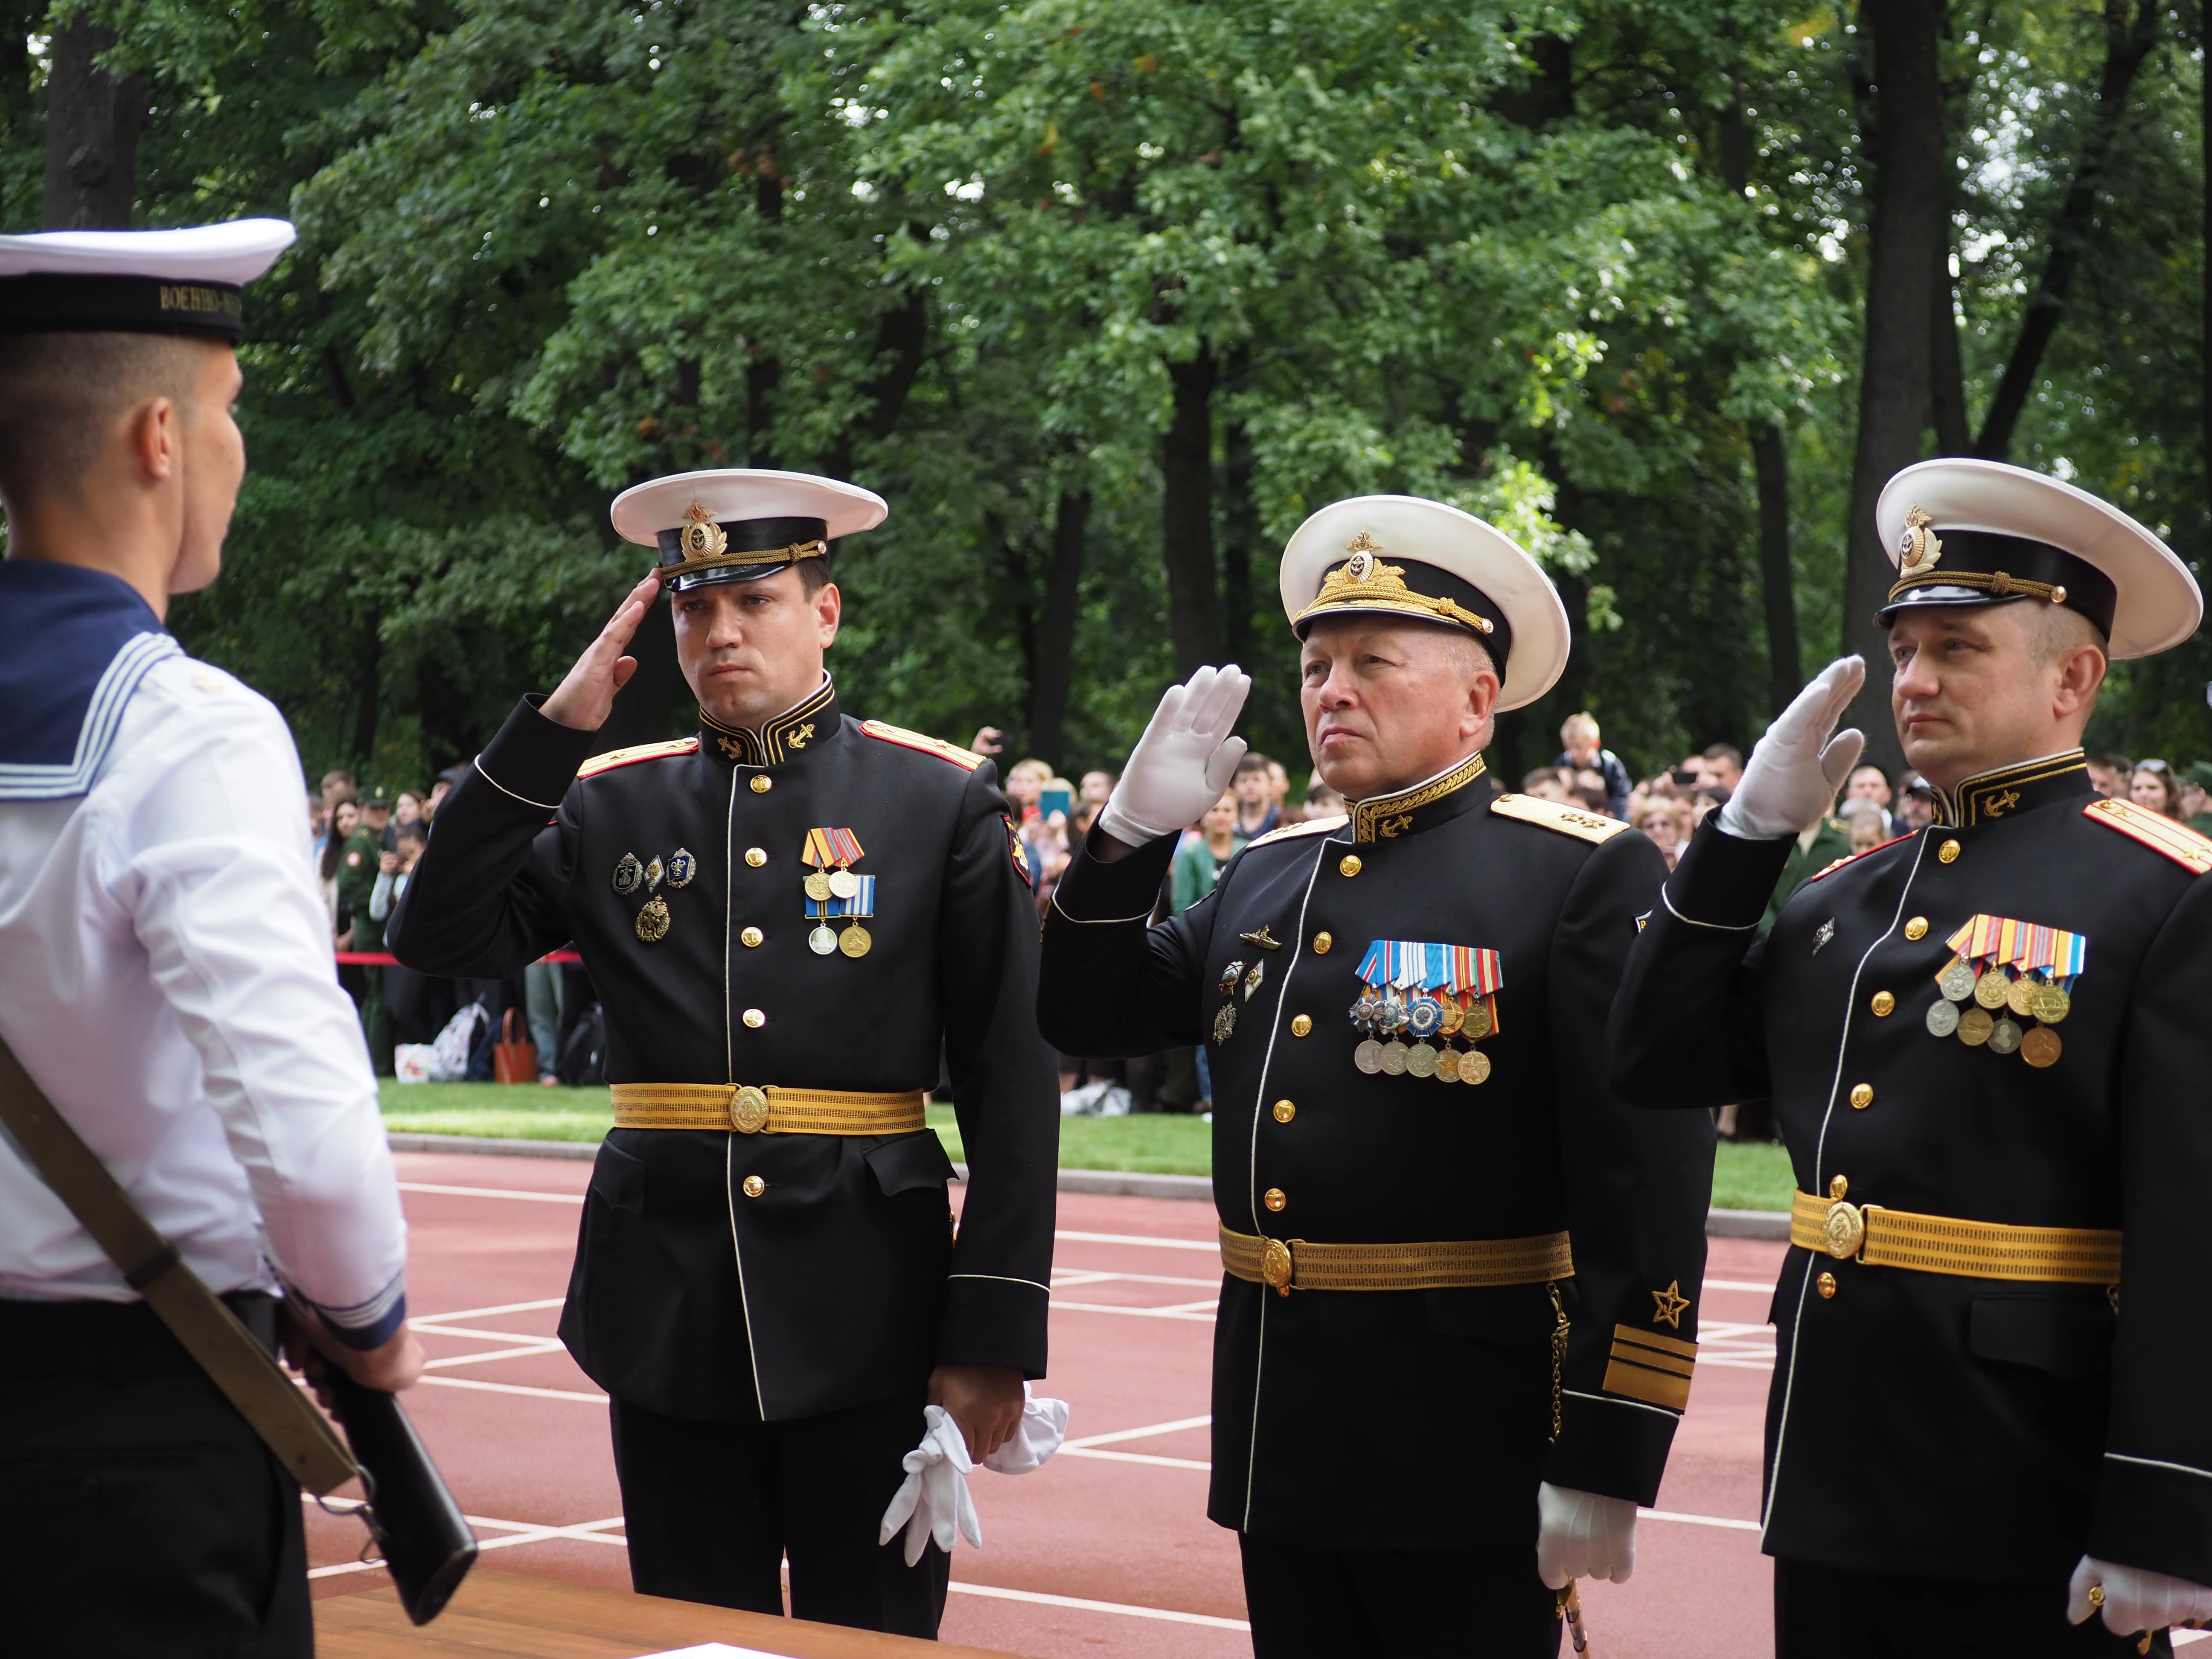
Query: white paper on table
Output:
(716,1650)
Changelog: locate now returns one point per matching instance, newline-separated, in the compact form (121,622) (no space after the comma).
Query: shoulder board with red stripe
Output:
(1830,869)
(966,759)
(633,755)
(2191,851)
(1310,827)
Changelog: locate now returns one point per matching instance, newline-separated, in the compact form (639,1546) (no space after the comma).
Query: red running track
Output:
(1106,1552)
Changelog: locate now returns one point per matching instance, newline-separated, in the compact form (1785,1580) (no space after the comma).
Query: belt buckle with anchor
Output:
(749,1110)
(1843,1233)
(1276,1266)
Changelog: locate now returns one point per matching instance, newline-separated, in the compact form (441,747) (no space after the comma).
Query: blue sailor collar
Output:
(78,643)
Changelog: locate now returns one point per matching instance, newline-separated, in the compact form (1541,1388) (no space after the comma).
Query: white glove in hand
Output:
(1036,1438)
(1796,768)
(1580,1534)
(2135,1600)
(1183,762)
(933,1500)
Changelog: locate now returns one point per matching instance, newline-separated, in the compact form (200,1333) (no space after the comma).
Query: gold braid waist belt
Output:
(751,1110)
(1298,1264)
(1939,1244)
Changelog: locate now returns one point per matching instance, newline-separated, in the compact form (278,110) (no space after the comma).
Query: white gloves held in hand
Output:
(933,1502)
(1796,768)
(1580,1534)
(2135,1600)
(1183,762)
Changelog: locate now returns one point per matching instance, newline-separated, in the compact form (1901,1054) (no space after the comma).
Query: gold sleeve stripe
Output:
(1653,1388)
(1657,1340)
(1657,1362)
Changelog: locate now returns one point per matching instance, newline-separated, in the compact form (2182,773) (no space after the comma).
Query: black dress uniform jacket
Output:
(1388,1420)
(841,1282)
(1920,1423)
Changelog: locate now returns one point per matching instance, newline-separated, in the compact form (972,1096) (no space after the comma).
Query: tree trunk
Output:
(93,121)
(1908,156)
(1240,537)
(1054,670)
(2204,258)
(1946,375)
(2126,45)
(1187,518)
(1785,667)
(368,690)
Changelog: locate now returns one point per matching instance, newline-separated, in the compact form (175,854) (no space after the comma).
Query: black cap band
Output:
(1395,587)
(1981,567)
(121,305)
(751,549)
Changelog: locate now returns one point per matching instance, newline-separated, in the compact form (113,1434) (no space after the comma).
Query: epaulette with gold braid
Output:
(634,754)
(2191,851)
(966,759)
(1556,815)
(1310,827)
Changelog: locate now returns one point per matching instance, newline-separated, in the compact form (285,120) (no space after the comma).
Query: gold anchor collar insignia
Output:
(2008,791)
(783,738)
(1388,817)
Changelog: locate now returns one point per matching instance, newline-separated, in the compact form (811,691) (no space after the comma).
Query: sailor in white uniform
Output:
(165,978)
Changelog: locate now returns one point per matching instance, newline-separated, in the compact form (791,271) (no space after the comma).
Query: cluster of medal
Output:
(835,893)
(1224,1018)
(652,919)
(1423,991)
(2009,971)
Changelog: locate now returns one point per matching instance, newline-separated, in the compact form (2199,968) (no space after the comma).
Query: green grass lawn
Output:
(1744,1178)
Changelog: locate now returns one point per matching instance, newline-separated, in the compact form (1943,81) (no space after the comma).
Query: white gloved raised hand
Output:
(2135,1600)
(1796,768)
(1183,762)
(1580,1534)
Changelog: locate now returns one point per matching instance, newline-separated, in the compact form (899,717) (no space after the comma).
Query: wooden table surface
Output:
(508,1616)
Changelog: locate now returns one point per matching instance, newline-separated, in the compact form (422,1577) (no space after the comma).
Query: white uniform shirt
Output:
(166,978)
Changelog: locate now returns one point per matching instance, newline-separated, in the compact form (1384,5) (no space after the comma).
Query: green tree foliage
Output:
(1104,301)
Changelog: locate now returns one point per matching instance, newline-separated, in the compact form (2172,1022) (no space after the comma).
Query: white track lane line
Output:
(511,1388)
(1190,1311)
(521,1194)
(516,1532)
(1212,1247)
(432,1321)
(1145,1433)
(489,1355)
(1077,1604)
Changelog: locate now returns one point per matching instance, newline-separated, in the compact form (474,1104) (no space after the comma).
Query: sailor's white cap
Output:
(169,282)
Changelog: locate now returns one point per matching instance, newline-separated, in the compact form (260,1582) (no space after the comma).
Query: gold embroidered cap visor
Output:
(1963,531)
(190,280)
(740,523)
(1404,557)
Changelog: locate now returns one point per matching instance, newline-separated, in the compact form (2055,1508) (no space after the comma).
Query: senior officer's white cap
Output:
(739,523)
(170,281)
(1404,556)
(1965,531)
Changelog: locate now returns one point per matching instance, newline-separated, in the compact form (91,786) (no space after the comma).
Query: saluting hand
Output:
(584,699)
(1183,762)
(1796,768)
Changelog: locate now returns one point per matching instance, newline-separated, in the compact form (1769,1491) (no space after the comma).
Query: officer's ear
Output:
(828,611)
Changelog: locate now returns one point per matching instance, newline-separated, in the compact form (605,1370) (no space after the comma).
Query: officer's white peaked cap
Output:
(1967,531)
(1404,556)
(738,523)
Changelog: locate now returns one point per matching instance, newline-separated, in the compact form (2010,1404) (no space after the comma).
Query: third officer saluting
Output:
(790,916)
(1458,1271)
(1987,1044)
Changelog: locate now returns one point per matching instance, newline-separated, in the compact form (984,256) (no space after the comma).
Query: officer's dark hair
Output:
(813,575)
(61,394)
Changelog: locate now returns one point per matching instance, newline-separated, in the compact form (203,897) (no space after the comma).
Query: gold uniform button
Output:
(1884,1005)
(1826,1284)
(1301,1025)
(751,937)
(755,1186)
(761,783)
(1321,942)
(1274,1198)
(756,856)
(1948,851)
(1348,865)
(1863,1097)
(1917,929)
(1285,1111)
(755,1018)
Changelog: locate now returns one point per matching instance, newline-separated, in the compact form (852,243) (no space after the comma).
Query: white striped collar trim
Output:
(103,718)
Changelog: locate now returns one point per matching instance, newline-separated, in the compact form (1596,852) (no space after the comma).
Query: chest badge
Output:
(1823,933)
(652,921)
(1263,941)
(1412,988)
(629,874)
(2008,983)
(1225,1017)
(835,893)
(682,866)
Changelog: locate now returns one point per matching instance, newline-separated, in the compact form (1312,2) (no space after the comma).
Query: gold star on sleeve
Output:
(1672,1305)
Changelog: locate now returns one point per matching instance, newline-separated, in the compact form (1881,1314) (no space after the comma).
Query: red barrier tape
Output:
(385,959)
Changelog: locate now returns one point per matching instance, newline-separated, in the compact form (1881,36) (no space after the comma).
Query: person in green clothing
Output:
(1818,845)
(2197,781)
(1199,863)
(358,865)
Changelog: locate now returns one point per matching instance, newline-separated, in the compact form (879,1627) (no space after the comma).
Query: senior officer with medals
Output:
(1987,1044)
(789,915)
(1459,1318)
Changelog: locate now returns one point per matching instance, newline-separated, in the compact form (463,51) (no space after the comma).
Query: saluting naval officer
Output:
(789,915)
(165,979)
(1458,1322)
(1986,1043)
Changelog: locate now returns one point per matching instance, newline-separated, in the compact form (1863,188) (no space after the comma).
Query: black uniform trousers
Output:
(139,1513)
(1307,1603)
(711,1510)
(1834,1612)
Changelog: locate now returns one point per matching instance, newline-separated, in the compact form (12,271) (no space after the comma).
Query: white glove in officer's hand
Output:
(1183,762)
(2135,1600)
(1580,1534)
(933,1501)
(1796,768)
